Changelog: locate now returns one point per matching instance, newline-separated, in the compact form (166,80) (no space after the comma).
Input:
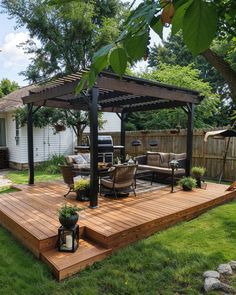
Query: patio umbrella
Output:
(225,134)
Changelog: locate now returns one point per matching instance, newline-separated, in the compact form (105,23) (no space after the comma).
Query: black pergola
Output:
(109,94)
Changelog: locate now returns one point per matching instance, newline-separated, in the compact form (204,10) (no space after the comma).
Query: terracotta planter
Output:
(69,222)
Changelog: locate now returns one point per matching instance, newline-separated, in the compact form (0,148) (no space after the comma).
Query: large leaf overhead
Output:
(199,26)
(118,60)
(136,46)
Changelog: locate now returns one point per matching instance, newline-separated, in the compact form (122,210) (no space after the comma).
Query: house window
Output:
(2,132)
(17,137)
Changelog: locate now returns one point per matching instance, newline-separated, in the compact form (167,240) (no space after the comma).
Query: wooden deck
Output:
(31,216)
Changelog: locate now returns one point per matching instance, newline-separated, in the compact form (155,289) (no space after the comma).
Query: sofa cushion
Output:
(82,166)
(79,159)
(153,159)
(86,156)
(162,170)
(164,160)
(70,159)
(177,157)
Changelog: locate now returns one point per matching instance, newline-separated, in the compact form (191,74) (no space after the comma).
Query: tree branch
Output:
(224,68)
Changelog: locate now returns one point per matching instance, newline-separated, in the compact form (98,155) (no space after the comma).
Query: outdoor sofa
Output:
(79,161)
(158,164)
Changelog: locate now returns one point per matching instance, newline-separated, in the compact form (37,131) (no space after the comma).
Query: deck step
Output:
(65,264)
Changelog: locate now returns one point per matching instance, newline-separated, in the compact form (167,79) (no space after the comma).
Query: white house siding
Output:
(46,142)
(112,123)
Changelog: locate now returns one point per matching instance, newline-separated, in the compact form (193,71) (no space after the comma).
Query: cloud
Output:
(12,55)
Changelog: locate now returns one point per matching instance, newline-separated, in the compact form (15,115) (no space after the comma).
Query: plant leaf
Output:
(81,84)
(102,51)
(157,26)
(100,63)
(118,60)
(177,21)
(199,26)
(136,46)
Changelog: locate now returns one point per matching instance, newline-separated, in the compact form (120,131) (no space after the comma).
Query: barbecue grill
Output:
(105,148)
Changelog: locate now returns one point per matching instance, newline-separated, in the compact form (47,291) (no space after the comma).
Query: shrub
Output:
(82,184)
(52,165)
(188,183)
(68,210)
(198,172)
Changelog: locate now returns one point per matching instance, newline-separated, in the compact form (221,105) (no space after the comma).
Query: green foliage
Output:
(6,87)
(68,210)
(68,34)
(82,184)
(51,166)
(187,77)
(198,19)
(118,60)
(199,25)
(188,182)
(198,172)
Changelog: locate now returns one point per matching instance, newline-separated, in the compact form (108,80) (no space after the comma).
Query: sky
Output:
(13,60)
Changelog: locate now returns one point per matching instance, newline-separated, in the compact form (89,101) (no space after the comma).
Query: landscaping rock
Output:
(225,269)
(211,284)
(215,284)
(232,264)
(211,274)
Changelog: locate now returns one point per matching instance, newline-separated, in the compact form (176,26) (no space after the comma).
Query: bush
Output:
(198,172)
(188,183)
(82,184)
(52,169)
(52,165)
(68,210)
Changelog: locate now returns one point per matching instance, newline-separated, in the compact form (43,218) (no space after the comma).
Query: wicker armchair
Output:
(68,177)
(121,180)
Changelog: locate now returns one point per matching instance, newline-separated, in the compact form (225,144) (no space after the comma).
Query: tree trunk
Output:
(224,68)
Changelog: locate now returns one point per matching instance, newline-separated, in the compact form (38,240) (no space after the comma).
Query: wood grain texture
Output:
(31,216)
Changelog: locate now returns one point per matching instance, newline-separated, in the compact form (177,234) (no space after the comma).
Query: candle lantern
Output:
(173,165)
(68,238)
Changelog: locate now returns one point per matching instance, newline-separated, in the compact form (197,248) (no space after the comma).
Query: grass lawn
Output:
(168,263)
(21,177)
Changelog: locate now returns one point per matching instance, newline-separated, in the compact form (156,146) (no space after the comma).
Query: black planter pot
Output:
(69,222)
(186,188)
(199,182)
(82,195)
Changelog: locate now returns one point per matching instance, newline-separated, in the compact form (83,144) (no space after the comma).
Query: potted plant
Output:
(59,127)
(197,173)
(188,183)
(68,215)
(82,188)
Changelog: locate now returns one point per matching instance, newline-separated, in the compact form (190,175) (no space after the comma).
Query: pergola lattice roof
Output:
(128,94)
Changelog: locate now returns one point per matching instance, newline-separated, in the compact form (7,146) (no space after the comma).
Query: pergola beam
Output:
(145,90)
(153,106)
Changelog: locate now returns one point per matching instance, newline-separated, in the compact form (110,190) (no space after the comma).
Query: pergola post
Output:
(93,113)
(190,125)
(30,142)
(122,136)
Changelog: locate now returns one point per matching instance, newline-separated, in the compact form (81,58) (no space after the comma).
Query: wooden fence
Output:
(209,155)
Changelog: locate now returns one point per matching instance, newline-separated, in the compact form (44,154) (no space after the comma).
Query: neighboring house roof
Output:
(13,101)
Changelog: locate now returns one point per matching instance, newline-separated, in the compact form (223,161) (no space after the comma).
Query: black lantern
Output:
(68,238)
(173,165)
